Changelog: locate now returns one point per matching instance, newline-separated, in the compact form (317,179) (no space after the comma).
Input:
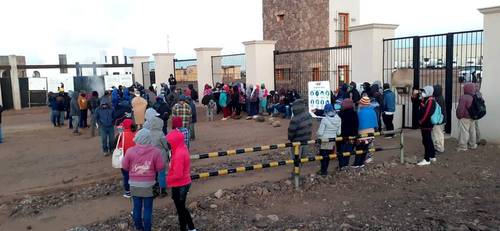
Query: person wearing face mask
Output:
(426,108)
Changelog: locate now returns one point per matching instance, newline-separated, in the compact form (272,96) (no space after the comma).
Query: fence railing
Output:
(229,68)
(297,160)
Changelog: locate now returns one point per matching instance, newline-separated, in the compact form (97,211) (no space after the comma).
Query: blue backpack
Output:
(437,117)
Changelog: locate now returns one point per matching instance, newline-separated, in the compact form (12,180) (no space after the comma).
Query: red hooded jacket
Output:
(127,135)
(179,173)
(465,101)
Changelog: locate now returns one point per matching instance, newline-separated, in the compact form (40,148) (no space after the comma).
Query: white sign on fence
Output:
(54,83)
(319,95)
(117,80)
(37,84)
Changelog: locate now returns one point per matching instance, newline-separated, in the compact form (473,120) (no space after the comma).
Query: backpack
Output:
(437,117)
(477,109)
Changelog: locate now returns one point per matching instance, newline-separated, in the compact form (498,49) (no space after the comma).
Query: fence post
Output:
(296,163)
(402,148)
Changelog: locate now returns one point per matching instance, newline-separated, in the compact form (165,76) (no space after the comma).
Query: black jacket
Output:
(350,122)
(163,109)
(300,128)
(425,110)
(1,110)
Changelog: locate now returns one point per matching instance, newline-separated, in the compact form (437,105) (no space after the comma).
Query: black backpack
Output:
(477,110)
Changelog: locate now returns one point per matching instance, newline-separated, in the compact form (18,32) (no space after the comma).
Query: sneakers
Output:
(127,194)
(224,119)
(424,162)
(360,166)
(369,160)
(434,159)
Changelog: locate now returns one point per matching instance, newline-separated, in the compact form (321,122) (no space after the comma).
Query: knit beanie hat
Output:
(365,101)
(176,122)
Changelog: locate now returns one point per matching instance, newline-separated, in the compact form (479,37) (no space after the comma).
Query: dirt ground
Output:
(52,180)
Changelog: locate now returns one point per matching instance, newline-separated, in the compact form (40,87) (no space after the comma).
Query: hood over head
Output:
(127,124)
(429,91)
(469,89)
(151,113)
(143,137)
(299,106)
(344,87)
(176,140)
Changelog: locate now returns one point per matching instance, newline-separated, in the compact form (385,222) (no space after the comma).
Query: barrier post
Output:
(402,148)
(296,164)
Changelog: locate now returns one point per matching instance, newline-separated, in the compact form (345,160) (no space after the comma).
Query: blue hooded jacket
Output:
(389,101)
(367,118)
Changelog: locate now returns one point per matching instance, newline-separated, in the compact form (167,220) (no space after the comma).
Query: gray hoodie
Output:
(74,107)
(154,126)
(330,127)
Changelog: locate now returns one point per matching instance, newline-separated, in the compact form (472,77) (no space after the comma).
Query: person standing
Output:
(389,107)
(1,134)
(467,128)
(263,99)
(225,102)
(61,107)
(139,105)
(300,127)
(194,93)
(154,127)
(183,110)
(367,124)
(75,113)
(254,102)
(426,108)
(177,125)
(179,178)
(93,104)
(330,127)
(82,103)
(194,118)
(235,102)
(143,162)
(172,82)
(164,112)
(104,118)
(438,129)
(55,111)
(126,141)
(349,128)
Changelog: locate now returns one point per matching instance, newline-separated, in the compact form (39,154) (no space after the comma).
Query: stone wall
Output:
(304,24)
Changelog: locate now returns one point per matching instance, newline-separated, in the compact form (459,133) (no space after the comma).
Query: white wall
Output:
(260,63)
(342,6)
(137,68)
(164,66)
(204,66)
(491,71)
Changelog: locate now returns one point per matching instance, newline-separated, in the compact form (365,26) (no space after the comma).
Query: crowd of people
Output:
(135,120)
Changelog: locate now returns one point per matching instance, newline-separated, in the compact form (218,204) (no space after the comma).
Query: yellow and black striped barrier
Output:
(242,169)
(284,145)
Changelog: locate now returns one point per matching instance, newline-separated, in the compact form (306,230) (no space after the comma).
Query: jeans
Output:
(55,118)
(93,125)
(162,178)
(143,212)
(430,152)
(83,118)
(1,134)
(61,117)
(126,185)
(325,161)
(389,126)
(467,134)
(107,136)
(284,109)
(74,123)
(191,131)
(438,137)
(179,195)
(344,160)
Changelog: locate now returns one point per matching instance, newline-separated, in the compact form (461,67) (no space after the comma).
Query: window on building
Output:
(283,74)
(343,74)
(280,17)
(114,59)
(343,29)
(315,74)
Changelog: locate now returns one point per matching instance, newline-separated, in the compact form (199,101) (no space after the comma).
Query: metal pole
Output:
(402,148)
(296,168)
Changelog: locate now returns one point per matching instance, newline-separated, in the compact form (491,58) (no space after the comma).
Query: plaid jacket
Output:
(183,111)
(186,134)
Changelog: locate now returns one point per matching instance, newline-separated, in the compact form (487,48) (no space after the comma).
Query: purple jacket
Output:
(465,101)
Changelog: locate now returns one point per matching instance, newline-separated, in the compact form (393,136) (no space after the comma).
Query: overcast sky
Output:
(41,29)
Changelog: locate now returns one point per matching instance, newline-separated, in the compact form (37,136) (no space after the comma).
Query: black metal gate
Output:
(24,92)
(294,69)
(229,69)
(7,100)
(186,73)
(450,60)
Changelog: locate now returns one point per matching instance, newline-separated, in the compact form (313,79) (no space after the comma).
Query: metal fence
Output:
(148,73)
(294,69)
(450,60)
(229,69)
